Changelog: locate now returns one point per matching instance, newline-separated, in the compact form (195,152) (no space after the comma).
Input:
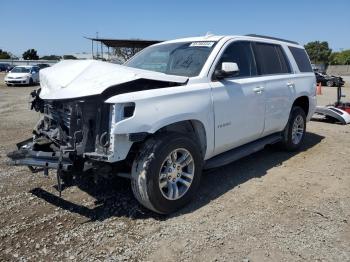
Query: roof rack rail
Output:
(273,38)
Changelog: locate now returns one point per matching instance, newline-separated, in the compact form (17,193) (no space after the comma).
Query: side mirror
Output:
(228,69)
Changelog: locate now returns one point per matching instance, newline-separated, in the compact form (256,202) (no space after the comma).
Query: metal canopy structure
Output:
(125,42)
(116,43)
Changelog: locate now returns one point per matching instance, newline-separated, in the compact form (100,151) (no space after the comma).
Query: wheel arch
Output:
(192,126)
(303,102)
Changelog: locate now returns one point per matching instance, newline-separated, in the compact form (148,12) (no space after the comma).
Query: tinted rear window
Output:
(301,59)
(271,59)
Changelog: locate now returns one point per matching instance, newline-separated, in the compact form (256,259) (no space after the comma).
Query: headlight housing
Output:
(123,111)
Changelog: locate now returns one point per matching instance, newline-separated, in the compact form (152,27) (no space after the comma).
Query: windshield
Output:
(183,59)
(20,70)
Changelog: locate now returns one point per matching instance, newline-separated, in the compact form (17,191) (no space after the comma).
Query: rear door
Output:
(239,104)
(275,70)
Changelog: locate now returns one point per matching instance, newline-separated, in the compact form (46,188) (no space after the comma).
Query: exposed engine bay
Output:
(65,135)
(81,125)
(66,131)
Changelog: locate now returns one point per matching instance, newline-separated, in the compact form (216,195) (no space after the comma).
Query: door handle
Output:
(290,84)
(258,89)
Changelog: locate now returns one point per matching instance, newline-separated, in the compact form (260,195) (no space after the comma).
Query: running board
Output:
(242,151)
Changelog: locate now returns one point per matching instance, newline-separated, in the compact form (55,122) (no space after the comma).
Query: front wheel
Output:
(166,173)
(294,133)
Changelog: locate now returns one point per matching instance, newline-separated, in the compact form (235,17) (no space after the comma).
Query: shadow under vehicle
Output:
(114,197)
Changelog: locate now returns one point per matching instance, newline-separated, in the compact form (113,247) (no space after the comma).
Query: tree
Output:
(30,54)
(318,52)
(51,57)
(65,57)
(4,54)
(125,53)
(340,58)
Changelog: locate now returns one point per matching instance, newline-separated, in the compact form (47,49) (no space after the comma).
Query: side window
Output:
(271,59)
(242,54)
(301,59)
(285,66)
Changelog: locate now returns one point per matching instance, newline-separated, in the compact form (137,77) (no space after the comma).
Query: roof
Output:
(216,38)
(197,38)
(132,43)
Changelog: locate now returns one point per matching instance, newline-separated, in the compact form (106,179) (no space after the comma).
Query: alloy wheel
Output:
(176,174)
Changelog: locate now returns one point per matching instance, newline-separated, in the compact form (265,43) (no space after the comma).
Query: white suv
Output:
(174,109)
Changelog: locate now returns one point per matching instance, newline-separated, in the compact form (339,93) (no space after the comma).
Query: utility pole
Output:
(97,45)
(92,49)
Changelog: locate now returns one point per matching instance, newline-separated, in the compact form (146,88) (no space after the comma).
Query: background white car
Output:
(23,75)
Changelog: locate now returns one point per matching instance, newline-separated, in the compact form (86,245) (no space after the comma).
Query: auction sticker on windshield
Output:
(204,44)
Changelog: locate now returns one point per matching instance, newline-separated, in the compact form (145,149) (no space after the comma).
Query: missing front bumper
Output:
(25,156)
(41,162)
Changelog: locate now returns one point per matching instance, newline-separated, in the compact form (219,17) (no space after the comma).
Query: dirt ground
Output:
(270,206)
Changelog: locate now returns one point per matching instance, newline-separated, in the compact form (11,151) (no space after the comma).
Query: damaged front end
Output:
(78,129)
(67,131)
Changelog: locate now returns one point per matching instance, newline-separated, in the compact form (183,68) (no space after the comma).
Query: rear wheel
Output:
(294,133)
(329,83)
(166,173)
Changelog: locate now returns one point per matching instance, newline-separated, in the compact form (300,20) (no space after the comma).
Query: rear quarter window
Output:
(301,58)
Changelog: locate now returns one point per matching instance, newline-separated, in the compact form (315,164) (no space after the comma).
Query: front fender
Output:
(155,109)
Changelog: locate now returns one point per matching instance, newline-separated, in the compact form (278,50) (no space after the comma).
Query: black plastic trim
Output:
(242,151)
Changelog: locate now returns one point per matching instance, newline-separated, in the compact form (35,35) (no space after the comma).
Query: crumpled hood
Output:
(80,78)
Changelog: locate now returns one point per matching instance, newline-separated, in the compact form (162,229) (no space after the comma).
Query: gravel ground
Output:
(270,206)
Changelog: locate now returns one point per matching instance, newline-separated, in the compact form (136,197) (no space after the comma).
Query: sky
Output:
(58,27)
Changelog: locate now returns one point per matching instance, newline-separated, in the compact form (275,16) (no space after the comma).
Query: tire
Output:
(293,139)
(31,82)
(67,178)
(330,83)
(152,181)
